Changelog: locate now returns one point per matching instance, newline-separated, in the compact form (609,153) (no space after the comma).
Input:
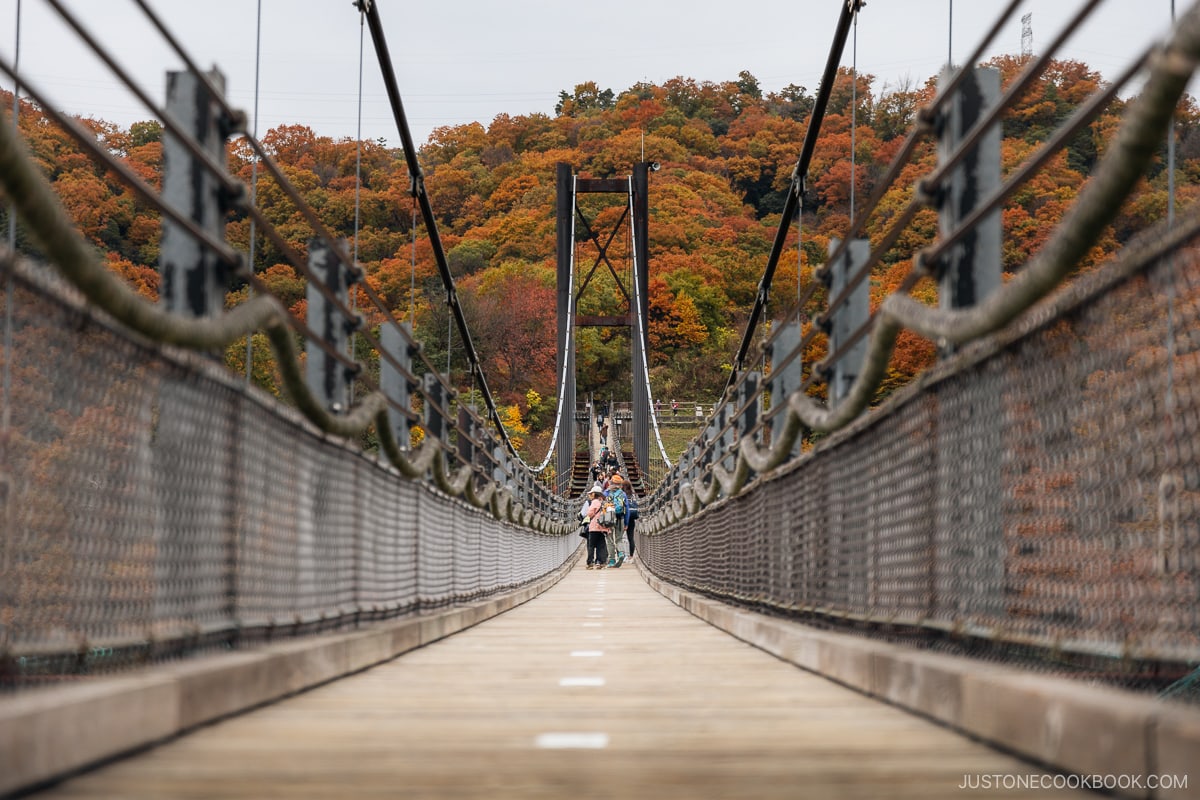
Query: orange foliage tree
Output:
(726,150)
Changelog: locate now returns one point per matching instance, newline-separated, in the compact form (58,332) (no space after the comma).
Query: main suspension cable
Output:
(639,333)
(568,348)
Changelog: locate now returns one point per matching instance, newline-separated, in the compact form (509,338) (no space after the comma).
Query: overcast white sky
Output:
(459,61)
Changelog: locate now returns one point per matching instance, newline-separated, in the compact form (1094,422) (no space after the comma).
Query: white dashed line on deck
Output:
(582,681)
(577,741)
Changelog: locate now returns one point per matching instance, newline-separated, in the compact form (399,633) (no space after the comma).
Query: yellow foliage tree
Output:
(510,418)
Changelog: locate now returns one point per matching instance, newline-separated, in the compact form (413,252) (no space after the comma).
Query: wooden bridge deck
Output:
(600,687)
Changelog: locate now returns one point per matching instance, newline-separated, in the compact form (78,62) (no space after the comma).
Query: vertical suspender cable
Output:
(950,38)
(799,251)
(16,110)
(639,339)
(1171,157)
(254,180)
(1169,400)
(362,31)
(412,287)
(9,286)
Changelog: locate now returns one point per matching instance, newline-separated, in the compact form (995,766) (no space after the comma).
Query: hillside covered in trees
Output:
(727,151)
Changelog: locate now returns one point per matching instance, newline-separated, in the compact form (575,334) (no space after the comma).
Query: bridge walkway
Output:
(601,687)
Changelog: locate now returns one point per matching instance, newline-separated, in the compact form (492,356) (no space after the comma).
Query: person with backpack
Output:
(631,515)
(619,500)
(597,533)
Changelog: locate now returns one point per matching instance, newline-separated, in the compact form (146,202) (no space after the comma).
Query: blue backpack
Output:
(618,498)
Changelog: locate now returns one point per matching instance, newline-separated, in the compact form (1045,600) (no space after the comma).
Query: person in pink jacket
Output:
(597,548)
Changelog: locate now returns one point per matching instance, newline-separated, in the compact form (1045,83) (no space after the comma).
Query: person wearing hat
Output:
(597,549)
(620,500)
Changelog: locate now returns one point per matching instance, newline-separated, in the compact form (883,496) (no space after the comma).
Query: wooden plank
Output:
(684,711)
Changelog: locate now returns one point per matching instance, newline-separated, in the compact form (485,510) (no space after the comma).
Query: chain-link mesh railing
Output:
(1034,497)
(1037,500)
(153,505)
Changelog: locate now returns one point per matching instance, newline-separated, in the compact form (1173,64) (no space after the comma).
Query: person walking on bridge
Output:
(597,547)
(631,515)
(620,502)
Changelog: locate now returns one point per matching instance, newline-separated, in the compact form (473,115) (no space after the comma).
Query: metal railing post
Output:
(325,375)
(851,316)
(192,496)
(396,381)
(435,409)
(971,269)
(194,281)
(785,378)
(969,507)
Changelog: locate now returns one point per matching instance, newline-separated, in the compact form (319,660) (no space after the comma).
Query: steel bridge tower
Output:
(568,187)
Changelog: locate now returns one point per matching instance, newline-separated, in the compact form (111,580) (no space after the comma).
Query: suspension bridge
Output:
(985,584)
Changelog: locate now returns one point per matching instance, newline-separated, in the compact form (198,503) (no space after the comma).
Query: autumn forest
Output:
(727,151)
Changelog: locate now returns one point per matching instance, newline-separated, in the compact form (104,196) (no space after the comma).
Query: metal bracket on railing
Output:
(500,457)
(325,375)
(748,401)
(194,278)
(970,270)
(465,443)
(395,381)
(434,411)
(848,318)
(784,378)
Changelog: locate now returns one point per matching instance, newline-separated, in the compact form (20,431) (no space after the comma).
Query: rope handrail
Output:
(923,265)
(315,222)
(924,126)
(39,208)
(929,186)
(236,119)
(75,130)
(1146,122)
(188,336)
